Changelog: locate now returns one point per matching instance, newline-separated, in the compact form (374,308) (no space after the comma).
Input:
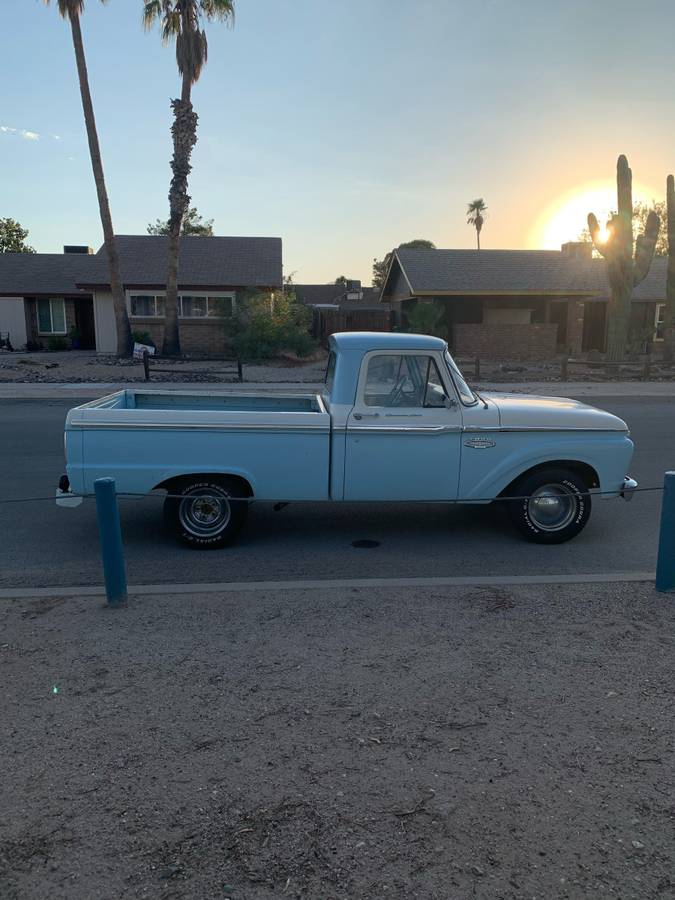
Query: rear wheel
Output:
(554,505)
(202,514)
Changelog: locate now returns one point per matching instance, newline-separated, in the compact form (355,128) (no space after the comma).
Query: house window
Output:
(51,316)
(147,306)
(659,321)
(190,306)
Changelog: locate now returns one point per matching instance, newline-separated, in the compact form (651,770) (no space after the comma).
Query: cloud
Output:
(21,132)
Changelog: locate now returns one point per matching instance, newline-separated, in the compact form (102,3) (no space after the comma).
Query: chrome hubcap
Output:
(204,513)
(552,507)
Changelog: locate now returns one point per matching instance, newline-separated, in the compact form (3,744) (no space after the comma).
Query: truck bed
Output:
(208,400)
(279,443)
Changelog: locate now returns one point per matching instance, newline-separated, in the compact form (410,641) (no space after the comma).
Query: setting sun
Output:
(565,218)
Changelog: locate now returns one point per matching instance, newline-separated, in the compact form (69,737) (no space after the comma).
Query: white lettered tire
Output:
(202,514)
(550,506)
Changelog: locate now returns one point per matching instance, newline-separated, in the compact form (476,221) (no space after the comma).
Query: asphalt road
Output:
(43,545)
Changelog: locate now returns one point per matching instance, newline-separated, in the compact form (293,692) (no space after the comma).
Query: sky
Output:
(345,128)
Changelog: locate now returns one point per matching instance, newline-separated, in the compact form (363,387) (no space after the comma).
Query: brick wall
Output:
(197,338)
(505,341)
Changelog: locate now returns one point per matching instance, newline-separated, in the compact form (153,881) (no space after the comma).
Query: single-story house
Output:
(44,295)
(343,306)
(521,303)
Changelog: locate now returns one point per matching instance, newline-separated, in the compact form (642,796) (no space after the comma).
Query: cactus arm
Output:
(644,248)
(594,229)
(624,184)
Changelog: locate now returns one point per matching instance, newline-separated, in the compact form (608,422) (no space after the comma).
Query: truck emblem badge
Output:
(479,443)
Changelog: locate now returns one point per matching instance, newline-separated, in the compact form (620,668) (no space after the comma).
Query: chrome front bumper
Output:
(629,488)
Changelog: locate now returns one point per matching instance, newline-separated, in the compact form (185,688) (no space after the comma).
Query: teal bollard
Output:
(112,550)
(665,564)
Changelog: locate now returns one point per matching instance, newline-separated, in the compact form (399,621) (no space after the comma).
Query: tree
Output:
(72,10)
(640,214)
(381,266)
(182,21)
(341,279)
(13,237)
(193,224)
(474,216)
(624,269)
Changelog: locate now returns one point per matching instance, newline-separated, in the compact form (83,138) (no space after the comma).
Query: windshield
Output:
(466,395)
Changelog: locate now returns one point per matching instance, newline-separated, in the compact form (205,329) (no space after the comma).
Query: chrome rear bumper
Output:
(629,487)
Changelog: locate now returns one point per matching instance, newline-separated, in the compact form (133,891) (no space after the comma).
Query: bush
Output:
(142,337)
(56,344)
(266,325)
(427,318)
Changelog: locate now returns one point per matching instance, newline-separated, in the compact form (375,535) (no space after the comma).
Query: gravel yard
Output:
(79,367)
(74,367)
(344,743)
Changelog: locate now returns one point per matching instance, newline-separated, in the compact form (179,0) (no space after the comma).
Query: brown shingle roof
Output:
(517,271)
(208,262)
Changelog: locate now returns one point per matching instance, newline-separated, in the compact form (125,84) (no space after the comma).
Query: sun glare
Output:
(565,218)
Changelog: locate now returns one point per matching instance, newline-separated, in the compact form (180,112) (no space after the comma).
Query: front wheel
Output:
(553,505)
(202,514)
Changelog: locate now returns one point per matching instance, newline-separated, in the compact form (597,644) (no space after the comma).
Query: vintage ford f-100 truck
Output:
(396,421)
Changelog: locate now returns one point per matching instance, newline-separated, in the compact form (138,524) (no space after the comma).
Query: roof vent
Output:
(577,250)
(77,248)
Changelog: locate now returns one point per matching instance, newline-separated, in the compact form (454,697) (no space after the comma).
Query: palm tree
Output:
(72,10)
(182,21)
(474,216)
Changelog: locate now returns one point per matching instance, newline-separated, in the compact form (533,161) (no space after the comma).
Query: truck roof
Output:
(378,340)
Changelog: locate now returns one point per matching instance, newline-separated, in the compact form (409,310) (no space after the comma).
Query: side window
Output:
(401,380)
(434,395)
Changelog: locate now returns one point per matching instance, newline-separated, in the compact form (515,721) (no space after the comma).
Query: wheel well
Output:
(583,470)
(175,480)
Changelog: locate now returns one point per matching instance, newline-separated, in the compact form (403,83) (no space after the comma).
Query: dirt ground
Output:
(73,367)
(344,743)
(77,367)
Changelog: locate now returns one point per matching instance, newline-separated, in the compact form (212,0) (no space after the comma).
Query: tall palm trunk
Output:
(669,317)
(123,328)
(184,132)
(478,238)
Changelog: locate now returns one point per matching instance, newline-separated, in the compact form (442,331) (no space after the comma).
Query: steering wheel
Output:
(397,391)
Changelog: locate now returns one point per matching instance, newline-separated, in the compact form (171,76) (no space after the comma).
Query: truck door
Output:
(404,432)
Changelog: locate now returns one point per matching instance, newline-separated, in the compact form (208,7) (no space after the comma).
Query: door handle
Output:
(359,416)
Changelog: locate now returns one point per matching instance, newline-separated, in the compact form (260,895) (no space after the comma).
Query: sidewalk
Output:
(357,742)
(92,390)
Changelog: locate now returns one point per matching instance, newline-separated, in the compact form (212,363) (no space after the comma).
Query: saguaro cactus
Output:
(623,269)
(669,318)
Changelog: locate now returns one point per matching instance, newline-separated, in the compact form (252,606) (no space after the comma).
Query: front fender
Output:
(485,471)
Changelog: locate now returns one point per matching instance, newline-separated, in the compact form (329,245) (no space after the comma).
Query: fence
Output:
(644,368)
(235,365)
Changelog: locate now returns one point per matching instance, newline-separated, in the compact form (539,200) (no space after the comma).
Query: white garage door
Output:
(13,320)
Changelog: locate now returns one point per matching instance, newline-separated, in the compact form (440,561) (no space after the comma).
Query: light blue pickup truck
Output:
(396,421)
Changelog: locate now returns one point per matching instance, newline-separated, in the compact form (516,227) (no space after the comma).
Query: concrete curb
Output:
(90,390)
(233,587)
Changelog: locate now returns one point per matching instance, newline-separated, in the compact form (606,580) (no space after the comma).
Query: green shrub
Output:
(56,343)
(142,337)
(265,325)
(427,318)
